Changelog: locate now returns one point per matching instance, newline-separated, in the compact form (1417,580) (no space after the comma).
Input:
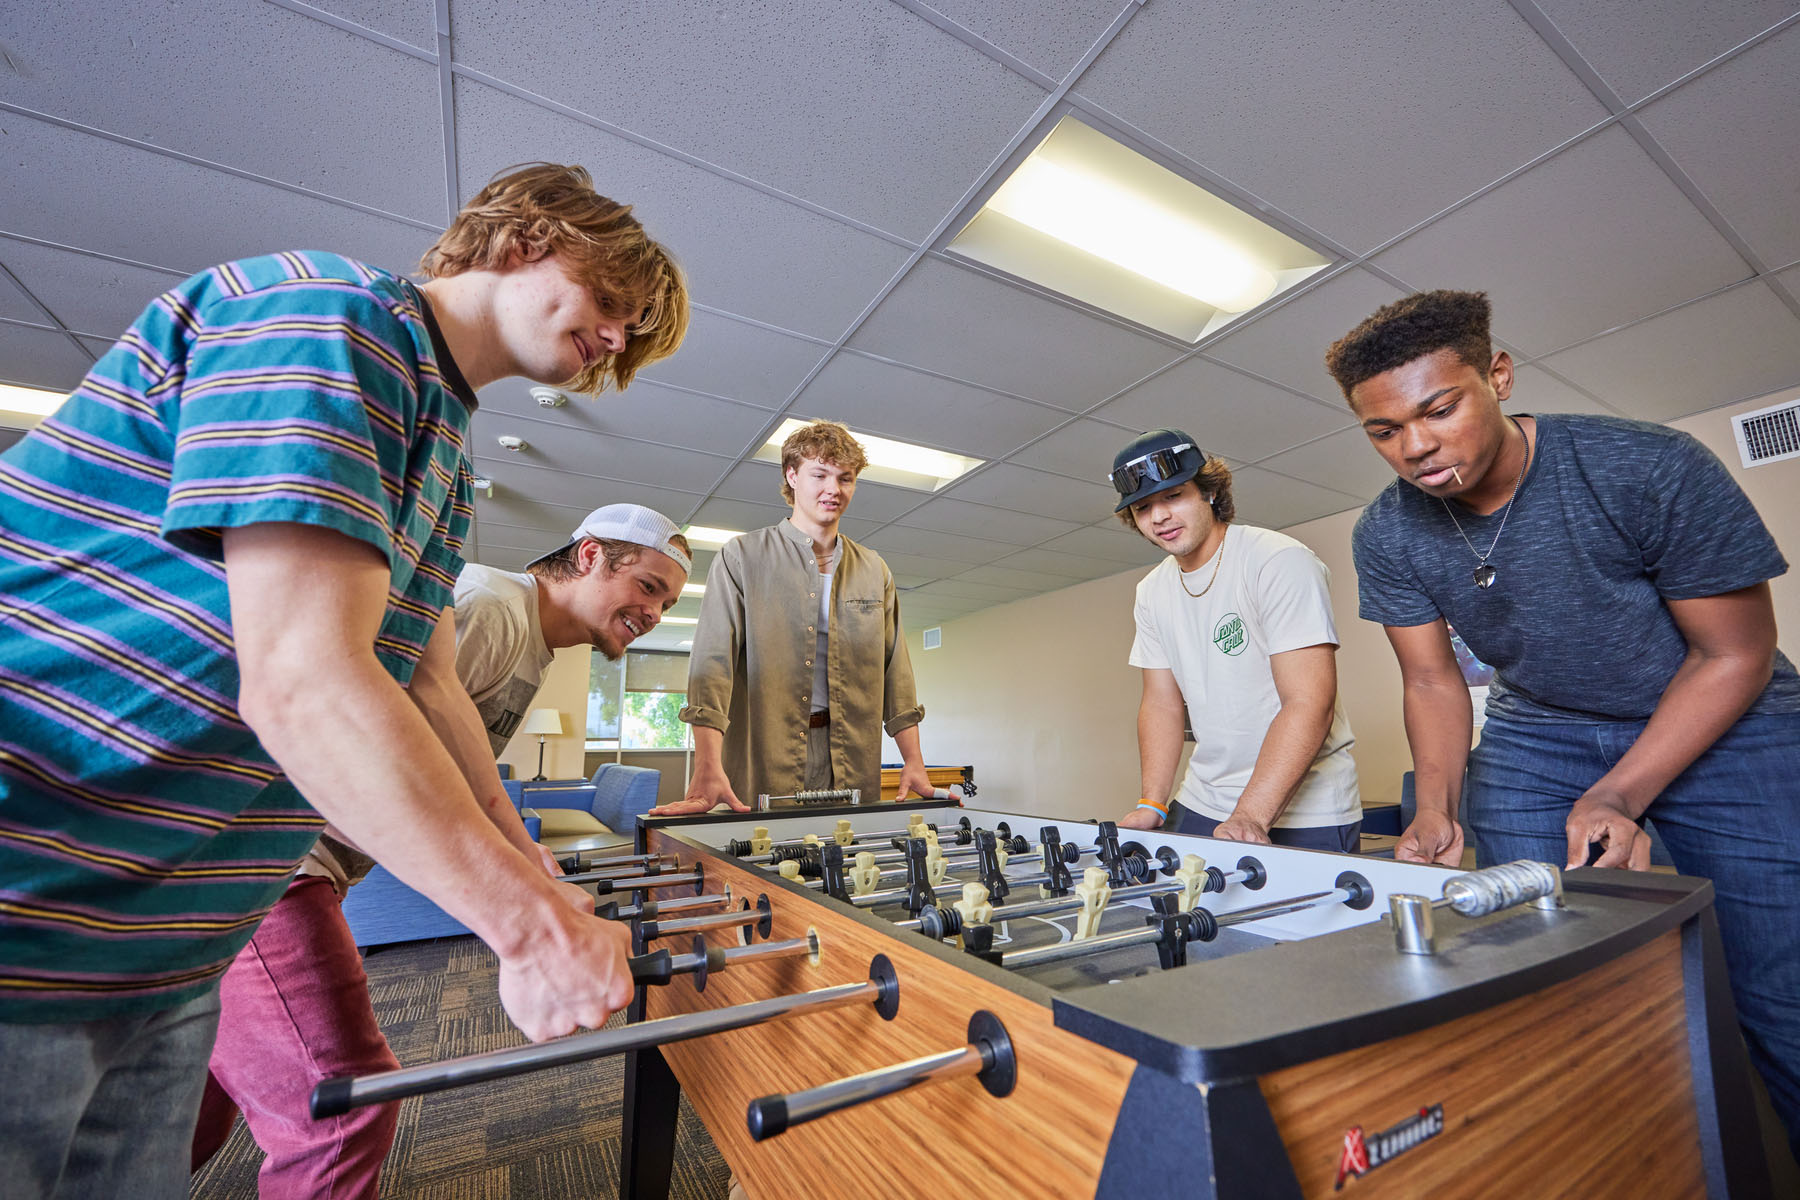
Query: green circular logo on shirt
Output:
(1228,634)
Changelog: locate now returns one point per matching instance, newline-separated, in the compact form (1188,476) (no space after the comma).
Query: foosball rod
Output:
(333,1097)
(988,1056)
(612,910)
(1150,933)
(735,845)
(599,860)
(629,871)
(948,887)
(1063,904)
(696,877)
(759,918)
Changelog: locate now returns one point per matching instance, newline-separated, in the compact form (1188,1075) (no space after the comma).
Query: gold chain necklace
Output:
(1218,557)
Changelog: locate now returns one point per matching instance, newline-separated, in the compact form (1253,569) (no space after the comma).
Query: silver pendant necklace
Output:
(1485,572)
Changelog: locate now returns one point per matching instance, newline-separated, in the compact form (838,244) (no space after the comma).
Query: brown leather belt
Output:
(822,717)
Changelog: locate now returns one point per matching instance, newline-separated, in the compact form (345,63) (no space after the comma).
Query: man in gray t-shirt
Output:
(1615,576)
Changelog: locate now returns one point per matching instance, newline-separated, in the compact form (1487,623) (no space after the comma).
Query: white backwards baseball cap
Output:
(626,523)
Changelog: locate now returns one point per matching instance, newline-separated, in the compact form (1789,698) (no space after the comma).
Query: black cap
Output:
(1154,462)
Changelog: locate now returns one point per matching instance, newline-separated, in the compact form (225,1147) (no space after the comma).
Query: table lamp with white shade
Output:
(544,722)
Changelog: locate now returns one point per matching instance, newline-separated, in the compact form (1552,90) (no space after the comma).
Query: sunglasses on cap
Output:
(1153,467)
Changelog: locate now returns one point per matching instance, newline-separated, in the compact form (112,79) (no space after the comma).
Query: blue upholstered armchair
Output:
(596,816)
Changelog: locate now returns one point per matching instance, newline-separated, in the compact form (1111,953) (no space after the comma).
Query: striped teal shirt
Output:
(143,829)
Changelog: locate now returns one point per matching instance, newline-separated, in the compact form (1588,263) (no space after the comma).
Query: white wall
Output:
(565,688)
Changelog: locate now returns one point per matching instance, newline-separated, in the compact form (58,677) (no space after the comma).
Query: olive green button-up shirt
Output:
(750,672)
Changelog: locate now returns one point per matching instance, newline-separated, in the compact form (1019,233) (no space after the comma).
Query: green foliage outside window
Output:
(651,721)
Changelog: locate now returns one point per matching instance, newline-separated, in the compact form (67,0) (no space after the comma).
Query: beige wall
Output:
(1037,694)
(565,689)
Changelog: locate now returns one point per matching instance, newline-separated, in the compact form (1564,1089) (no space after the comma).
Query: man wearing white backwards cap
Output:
(297,991)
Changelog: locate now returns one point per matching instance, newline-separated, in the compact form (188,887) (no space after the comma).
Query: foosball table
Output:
(915,1000)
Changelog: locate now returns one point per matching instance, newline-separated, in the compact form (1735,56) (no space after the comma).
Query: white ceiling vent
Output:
(934,637)
(1768,434)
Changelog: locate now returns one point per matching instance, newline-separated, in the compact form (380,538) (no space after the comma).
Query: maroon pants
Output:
(294,1009)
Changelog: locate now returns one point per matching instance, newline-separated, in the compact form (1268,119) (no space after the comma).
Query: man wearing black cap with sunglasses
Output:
(1235,628)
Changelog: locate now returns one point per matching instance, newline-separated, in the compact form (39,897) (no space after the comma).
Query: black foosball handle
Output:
(988,1056)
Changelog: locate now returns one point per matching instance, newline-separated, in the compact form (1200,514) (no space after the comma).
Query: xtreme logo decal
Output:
(1363,1154)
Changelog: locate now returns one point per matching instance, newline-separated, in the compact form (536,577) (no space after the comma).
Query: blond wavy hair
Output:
(827,441)
(547,208)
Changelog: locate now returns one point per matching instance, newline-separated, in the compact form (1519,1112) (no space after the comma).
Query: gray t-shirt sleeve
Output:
(1698,532)
(1387,591)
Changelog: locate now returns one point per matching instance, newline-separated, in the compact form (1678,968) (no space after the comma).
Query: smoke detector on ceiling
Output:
(514,444)
(549,397)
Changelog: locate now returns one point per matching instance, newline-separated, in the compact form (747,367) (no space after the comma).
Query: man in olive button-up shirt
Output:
(799,661)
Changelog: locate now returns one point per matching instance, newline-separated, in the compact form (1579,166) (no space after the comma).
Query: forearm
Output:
(1159,751)
(1439,726)
(908,741)
(365,757)
(1288,750)
(453,717)
(709,751)
(1704,699)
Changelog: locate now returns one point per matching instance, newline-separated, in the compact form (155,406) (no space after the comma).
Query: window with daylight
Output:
(634,704)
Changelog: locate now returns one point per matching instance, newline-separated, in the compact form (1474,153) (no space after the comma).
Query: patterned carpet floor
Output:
(553,1135)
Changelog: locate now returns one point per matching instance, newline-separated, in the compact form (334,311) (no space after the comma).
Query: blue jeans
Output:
(1733,817)
(1343,838)
(104,1108)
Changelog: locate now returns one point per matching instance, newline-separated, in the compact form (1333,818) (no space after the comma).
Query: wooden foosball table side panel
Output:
(1048,1138)
(1582,1089)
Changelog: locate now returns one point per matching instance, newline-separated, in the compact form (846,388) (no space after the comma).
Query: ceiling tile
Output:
(87,294)
(920,567)
(1638,46)
(824,101)
(1027,345)
(15,305)
(985,592)
(884,399)
(1110,541)
(1035,582)
(1053,562)
(1344,462)
(1228,412)
(947,546)
(226,81)
(738,361)
(552,503)
(1736,132)
(41,359)
(1276,501)
(1595,238)
(743,252)
(1341,115)
(1289,344)
(584,457)
(67,187)
(644,411)
(1019,27)
(1734,346)
(411,21)
(980,520)
(1536,390)
(1025,490)
(741,515)
(1083,449)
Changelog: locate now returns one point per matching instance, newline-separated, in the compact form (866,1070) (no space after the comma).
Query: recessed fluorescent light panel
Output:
(704,535)
(901,464)
(21,407)
(1098,222)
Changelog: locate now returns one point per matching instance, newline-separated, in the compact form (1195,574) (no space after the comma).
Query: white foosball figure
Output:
(1192,878)
(865,876)
(759,840)
(1095,891)
(973,908)
(790,870)
(844,835)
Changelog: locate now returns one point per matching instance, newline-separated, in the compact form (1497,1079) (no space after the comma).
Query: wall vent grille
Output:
(1768,434)
(934,637)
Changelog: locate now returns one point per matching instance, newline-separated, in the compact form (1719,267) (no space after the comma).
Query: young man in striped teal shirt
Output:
(222,562)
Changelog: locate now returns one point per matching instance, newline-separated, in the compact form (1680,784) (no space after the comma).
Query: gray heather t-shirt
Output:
(1614,518)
